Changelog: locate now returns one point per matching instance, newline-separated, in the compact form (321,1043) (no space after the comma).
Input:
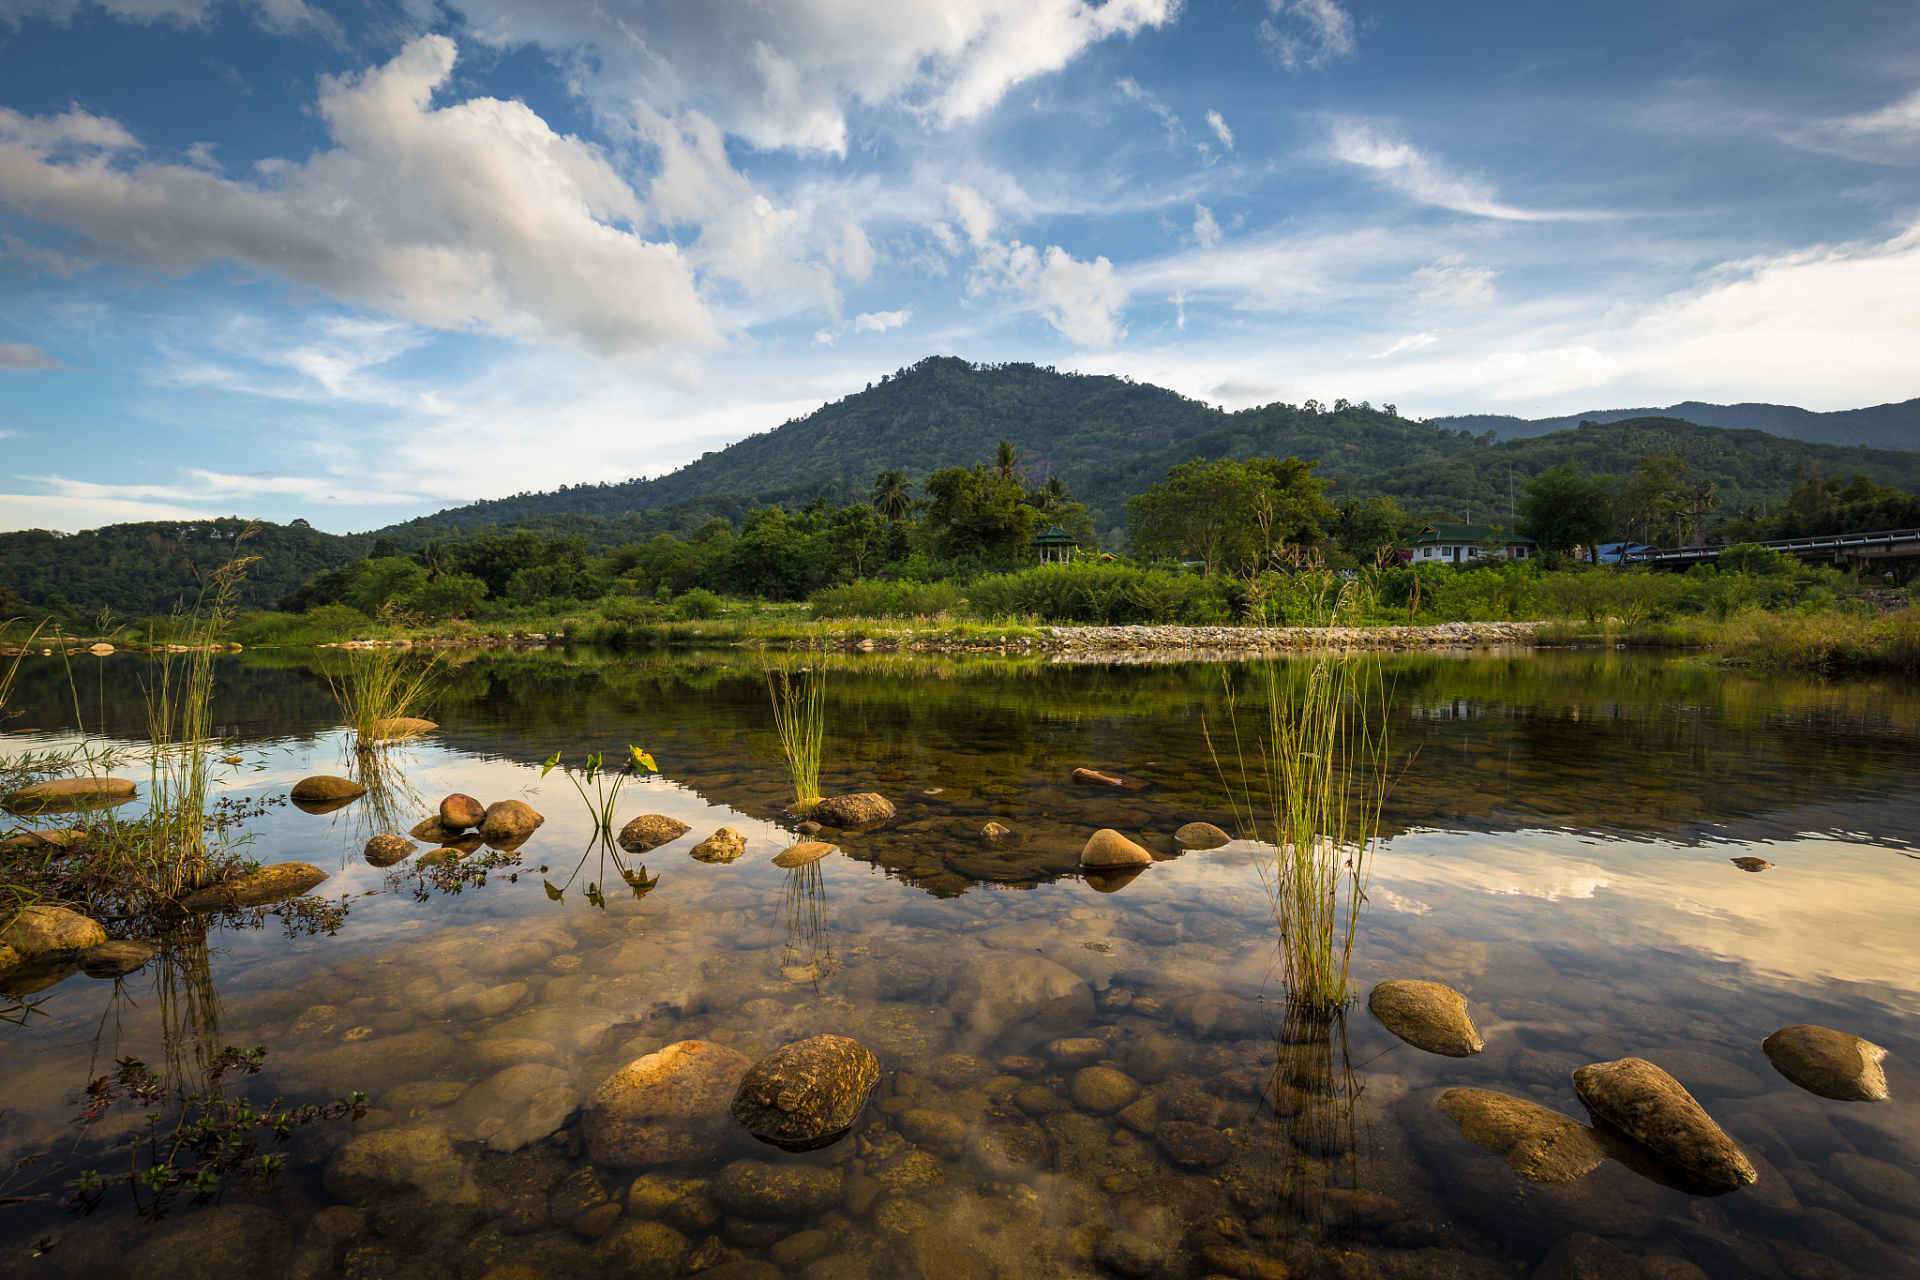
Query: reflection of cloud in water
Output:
(1829,911)
(1395,902)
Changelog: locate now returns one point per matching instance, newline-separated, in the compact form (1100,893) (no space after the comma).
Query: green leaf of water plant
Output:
(597,898)
(642,760)
(552,892)
(547,766)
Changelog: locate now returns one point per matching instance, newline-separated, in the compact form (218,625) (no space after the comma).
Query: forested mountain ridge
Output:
(1880,426)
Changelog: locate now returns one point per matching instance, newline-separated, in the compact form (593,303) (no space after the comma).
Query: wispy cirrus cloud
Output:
(1308,33)
(1885,135)
(22,355)
(1414,173)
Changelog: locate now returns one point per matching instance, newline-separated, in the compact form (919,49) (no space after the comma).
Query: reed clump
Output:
(799,718)
(380,686)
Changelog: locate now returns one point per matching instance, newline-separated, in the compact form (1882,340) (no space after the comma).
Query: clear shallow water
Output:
(1560,852)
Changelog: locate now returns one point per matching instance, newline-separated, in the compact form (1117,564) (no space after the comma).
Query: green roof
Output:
(1055,536)
(1469,533)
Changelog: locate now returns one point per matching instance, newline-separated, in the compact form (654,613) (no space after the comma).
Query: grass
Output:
(799,717)
(1825,642)
(1310,794)
(381,685)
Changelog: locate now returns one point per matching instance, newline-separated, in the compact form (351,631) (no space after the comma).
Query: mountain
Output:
(1882,426)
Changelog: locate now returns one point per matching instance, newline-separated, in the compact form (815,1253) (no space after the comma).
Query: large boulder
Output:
(1653,1110)
(1829,1063)
(509,822)
(724,845)
(268,884)
(69,793)
(845,813)
(650,831)
(665,1107)
(322,788)
(990,995)
(1427,1015)
(41,929)
(460,811)
(806,1094)
(1108,850)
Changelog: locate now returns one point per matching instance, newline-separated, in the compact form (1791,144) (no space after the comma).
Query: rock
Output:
(1102,1090)
(394,728)
(476,1000)
(650,831)
(990,995)
(58,841)
(1108,850)
(460,811)
(1721,1253)
(1202,835)
(639,1251)
(1140,1115)
(1541,1145)
(42,930)
(1215,1013)
(1155,1057)
(724,845)
(508,822)
(996,834)
(1651,1109)
(800,1248)
(1586,1257)
(596,1222)
(911,1173)
(743,1269)
(1190,1145)
(1010,1152)
(1663,1268)
(1829,1063)
(390,1163)
(1750,864)
(322,787)
(806,1094)
(1092,778)
(665,1107)
(1876,1182)
(799,855)
(491,1055)
(1841,1237)
(1707,1073)
(218,1243)
(433,831)
(67,793)
(755,1189)
(1427,1015)
(929,1128)
(115,959)
(1242,1264)
(384,851)
(940,1254)
(845,813)
(1074,1053)
(268,884)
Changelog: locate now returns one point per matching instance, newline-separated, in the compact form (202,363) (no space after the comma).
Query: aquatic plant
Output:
(606,783)
(635,878)
(799,717)
(381,685)
(808,951)
(1310,793)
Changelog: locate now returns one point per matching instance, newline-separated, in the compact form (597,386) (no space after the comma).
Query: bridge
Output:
(1841,550)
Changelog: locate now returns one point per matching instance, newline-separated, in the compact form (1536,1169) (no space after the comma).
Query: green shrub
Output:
(867,598)
(453,595)
(1104,595)
(337,621)
(698,603)
(632,609)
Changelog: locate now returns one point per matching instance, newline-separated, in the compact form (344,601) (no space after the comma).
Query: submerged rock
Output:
(996,834)
(847,812)
(799,855)
(434,831)
(639,1251)
(1215,1013)
(1108,850)
(1651,1109)
(1191,1145)
(1581,1256)
(667,1106)
(1541,1145)
(67,793)
(394,728)
(1202,835)
(41,930)
(423,1159)
(322,788)
(1094,778)
(755,1189)
(1832,1064)
(1427,1015)
(460,811)
(807,1094)
(57,841)
(650,831)
(1102,1090)
(225,1240)
(384,851)
(268,884)
(509,822)
(724,845)
(988,996)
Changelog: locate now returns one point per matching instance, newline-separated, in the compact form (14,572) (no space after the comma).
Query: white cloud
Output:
(1412,342)
(70,515)
(1083,300)
(1131,87)
(1407,169)
(1218,124)
(1205,229)
(784,73)
(283,16)
(1451,282)
(974,214)
(1308,33)
(881,321)
(475,215)
(1887,135)
(20,355)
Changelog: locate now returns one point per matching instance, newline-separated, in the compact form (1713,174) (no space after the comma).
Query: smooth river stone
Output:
(268,884)
(1427,1015)
(806,1094)
(665,1107)
(1108,850)
(1829,1063)
(1650,1108)
(1202,835)
(651,830)
(1541,1145)
(800,855)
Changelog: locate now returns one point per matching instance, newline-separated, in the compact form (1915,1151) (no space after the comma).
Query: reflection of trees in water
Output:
(803,907)
(1317,1145)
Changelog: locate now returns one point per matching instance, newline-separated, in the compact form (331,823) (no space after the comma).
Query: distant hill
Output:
(1882,426)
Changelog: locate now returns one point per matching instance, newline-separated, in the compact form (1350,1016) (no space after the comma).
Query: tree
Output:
(892,495)
(771,556)
(976,514)
(1567,507)
(1653,495)
(856,533)
(1006,461)
(1229,512)
(1366,530)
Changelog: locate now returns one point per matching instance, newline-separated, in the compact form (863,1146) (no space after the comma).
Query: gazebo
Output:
(1056,545)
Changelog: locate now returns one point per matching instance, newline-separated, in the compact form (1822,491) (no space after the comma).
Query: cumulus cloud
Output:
(1411,171)
(1218,124)
(20,355)
(1205,229)
(474,215)
(283,16)
(1451,282)
(1308,33)
(1083,300)
(881,321)
(784,73)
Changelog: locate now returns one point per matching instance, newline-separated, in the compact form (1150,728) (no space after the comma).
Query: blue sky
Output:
(357,262)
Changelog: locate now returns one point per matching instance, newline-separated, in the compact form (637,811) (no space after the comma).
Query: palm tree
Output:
(1006,460)
(1051,496)
(892,495)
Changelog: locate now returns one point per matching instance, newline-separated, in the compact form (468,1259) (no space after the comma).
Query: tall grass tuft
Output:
(799,717)
(1310,792)
(381,685)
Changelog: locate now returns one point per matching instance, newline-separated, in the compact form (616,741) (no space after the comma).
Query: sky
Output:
(354,263)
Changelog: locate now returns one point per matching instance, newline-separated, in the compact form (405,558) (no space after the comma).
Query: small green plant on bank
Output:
(799,717)
(605,795)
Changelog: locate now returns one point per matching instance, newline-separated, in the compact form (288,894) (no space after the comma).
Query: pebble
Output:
(1102,1090)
